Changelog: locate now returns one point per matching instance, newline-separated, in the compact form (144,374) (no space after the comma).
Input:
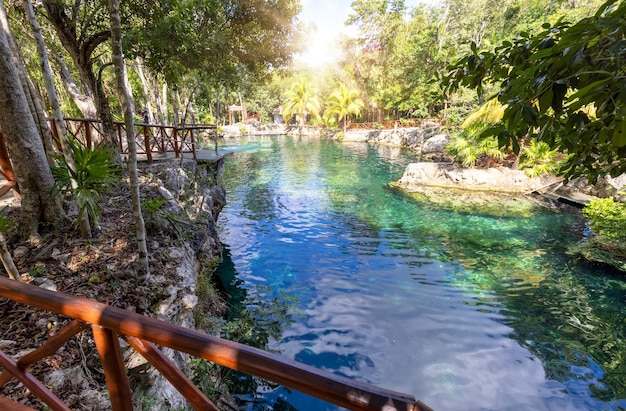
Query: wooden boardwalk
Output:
(208,156)
(200,155)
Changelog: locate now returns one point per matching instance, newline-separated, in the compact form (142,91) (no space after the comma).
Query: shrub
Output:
(607,219)
(538,159)
(95,172)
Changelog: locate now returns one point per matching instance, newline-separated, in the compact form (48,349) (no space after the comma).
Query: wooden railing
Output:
(107,323)
(150,138)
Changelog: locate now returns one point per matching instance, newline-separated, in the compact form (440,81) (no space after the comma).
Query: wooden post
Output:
(172,373)
(119,137)
(88,134)
(146,142)
(176,146)
(111,356)
(193,144)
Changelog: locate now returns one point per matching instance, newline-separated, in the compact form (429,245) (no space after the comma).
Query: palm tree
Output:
(301,101)
(343,102)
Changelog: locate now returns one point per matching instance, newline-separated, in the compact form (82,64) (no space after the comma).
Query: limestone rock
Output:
(499,179)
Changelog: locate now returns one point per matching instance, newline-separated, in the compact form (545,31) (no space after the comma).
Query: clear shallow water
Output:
(466,312)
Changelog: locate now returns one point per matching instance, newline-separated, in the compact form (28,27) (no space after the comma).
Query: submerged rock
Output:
(494,191)
(471,202)
(597,251)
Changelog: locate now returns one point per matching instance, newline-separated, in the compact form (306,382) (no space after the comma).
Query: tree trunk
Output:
(80,49)
(157,101)
(34,101)
(147,90)
(164,110)
(7,260)
(518,156)
(59,122)
(84,100)
(26,149)
(175,110)
(81,96)
(123,89)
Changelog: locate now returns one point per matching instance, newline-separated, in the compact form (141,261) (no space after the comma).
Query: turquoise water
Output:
(466,312)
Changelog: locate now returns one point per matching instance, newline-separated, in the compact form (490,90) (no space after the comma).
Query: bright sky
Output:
(329,17)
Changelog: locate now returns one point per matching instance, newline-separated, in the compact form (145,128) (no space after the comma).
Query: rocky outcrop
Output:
(194,199)
(428,140)
(494,191)
(256,128)
(499,179)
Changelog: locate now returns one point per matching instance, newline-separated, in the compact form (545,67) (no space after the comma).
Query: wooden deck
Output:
(200,155)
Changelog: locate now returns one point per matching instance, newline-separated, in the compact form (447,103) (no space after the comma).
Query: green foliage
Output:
(261,319)
(154,218)
(468,145)
(467,148)
(563,86)
(301,101)
(95,172)
(227,41)
(6,223)
(607,219)
(210,302)
(37,271)
(344,102)
(537,159)
(206,376)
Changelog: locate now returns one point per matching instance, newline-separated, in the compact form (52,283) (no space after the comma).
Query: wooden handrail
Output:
(339,390)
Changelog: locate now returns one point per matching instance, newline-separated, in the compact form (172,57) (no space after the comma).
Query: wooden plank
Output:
(32,383)
(114,370)
(339,390)
(174,375)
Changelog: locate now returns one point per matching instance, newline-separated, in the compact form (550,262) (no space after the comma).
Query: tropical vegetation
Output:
(540,84)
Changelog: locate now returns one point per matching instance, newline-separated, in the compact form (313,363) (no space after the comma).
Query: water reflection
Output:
(464,311)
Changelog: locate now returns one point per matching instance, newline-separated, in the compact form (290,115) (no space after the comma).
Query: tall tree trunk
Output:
(80,49)
(59,122)
(175,109)
(39,115)
(84,100)
(32,97)
(164,110)
(123,89)
(157,101)
(147,90)
(26,149)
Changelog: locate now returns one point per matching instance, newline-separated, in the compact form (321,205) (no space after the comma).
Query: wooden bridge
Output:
(109,323)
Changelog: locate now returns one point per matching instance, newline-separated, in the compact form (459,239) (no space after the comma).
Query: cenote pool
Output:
(466,312)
